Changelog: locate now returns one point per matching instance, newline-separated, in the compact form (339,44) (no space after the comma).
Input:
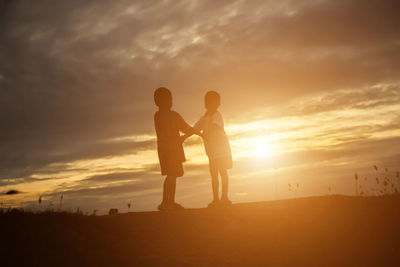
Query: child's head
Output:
(212,100)
(163,98)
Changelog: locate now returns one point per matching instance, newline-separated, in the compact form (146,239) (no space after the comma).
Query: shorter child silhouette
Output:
(217,147)
(168,123)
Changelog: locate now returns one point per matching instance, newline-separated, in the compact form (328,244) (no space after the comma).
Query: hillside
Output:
(331,230)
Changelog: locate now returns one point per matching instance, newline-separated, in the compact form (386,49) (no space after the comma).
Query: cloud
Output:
(115,177)
(365,98)
(13,192)
(17,161)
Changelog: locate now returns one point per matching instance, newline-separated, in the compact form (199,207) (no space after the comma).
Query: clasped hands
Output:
(185,136)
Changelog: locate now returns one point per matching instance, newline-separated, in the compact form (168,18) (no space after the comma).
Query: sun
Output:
(262,151)
(260,147)
(257,147)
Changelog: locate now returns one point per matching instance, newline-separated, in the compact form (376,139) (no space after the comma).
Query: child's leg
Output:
(172,190)
(166,191)
(214,181)
(225,183)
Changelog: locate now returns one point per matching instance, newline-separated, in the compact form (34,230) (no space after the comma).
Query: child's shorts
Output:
(222,163)
(171,166)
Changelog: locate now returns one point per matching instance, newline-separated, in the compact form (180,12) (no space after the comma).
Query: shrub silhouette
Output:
(113,211)
(12,192)
(356,178)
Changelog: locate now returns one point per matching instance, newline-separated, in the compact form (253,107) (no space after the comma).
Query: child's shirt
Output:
(215,140)
(168,124)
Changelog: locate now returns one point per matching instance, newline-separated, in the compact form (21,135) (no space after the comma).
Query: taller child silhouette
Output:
(168,124)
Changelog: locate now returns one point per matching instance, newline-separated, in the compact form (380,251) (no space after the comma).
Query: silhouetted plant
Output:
(79,211)
(276,189)
(113,211)
(356,178)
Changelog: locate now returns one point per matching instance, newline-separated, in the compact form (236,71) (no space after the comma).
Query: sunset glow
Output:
(276,147)
(299,105)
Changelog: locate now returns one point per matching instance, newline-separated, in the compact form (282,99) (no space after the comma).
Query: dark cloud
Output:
(115,177)
(339,23)
(23,179)
(13,192)
(108,190)
(20,161)
(367,98)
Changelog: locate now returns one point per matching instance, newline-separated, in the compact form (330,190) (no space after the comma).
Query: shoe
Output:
(177,206)
(164,206)
(226,202)
(213,204)
(161,207)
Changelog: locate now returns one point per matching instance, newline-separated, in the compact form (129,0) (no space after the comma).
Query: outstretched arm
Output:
(186,129)
(186,136)
(189,131)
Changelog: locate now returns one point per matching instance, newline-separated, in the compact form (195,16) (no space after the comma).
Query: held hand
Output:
(199,133)
(182,138)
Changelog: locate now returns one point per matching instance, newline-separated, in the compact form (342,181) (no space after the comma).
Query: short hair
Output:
(162,96)
(212,97)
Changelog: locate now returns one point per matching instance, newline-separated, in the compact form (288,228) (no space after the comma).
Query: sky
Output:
(310,95)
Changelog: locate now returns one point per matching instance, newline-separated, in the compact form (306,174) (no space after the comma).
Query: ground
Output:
(330,230)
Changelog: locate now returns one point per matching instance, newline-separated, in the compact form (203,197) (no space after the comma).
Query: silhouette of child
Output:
(168,123)
(217,147)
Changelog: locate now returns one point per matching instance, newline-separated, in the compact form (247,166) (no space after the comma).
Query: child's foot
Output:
(177,206)
(164,206)
(213,204)
(225,201)
(161,207)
